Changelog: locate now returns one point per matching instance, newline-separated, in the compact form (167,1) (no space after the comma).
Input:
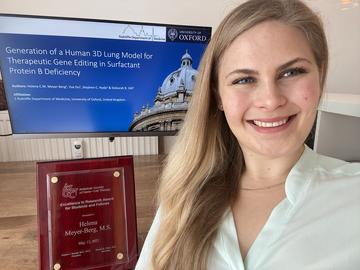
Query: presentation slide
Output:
(58,82)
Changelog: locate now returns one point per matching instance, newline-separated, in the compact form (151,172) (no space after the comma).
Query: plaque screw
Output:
(116,174)
(120,256)
(57,266)
(54,180)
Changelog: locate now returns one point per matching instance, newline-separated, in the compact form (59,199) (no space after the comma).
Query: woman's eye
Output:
(292,72)
(245,80)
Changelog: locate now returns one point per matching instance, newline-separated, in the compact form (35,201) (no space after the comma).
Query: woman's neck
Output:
(261,171)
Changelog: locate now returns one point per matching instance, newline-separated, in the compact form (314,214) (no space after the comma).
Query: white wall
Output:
(342,21)
(196,12)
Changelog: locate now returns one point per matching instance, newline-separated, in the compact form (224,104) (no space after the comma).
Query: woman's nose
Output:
(269,96)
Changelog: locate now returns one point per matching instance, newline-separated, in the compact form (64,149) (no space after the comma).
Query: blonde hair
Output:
(200,180)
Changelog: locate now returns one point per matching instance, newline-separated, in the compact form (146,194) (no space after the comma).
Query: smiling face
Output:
(269,89)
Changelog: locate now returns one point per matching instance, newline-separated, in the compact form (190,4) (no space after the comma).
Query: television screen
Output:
(65,76)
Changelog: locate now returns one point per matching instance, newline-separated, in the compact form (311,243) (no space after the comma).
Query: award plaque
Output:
(86,212)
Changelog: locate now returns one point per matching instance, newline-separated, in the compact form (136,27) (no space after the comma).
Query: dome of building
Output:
(182,78)
(186,56)
(171,102)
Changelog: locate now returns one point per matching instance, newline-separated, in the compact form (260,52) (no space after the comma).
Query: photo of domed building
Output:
(171,101)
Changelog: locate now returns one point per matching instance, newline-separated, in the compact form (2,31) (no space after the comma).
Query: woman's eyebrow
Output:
(291,62)
(281,67)
(244,71)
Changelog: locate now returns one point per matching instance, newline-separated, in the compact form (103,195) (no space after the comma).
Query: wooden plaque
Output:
(87,214)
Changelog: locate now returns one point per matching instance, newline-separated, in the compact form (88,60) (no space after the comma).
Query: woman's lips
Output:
(272,124)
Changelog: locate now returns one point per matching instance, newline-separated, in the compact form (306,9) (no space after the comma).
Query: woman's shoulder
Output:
(335,166)
(336,178)
(146,252)
(329,173)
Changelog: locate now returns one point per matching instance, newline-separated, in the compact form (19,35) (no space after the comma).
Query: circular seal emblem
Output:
(172,34)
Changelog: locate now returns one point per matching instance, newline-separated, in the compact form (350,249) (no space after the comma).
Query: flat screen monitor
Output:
(83,77)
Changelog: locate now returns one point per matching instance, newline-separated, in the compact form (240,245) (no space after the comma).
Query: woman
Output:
(240,190)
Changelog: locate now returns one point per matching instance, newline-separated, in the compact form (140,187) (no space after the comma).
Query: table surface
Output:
(18,213)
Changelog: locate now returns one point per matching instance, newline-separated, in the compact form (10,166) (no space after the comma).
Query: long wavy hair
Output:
(201,176)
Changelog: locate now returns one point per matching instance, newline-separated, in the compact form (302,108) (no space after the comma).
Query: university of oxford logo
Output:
(172,34)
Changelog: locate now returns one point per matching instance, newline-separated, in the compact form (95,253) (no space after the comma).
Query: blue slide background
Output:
(77,116)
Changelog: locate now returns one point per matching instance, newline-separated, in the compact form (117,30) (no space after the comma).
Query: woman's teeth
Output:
(271,124)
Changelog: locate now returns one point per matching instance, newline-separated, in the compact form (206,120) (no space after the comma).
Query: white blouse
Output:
(316,227)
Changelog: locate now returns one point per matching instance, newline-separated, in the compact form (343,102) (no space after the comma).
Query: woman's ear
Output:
(218,102)
(217,99)
(220,106)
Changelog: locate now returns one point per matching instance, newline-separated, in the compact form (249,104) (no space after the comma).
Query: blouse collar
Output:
(299,177)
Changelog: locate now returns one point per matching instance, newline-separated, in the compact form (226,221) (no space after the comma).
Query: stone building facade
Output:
(171,102)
